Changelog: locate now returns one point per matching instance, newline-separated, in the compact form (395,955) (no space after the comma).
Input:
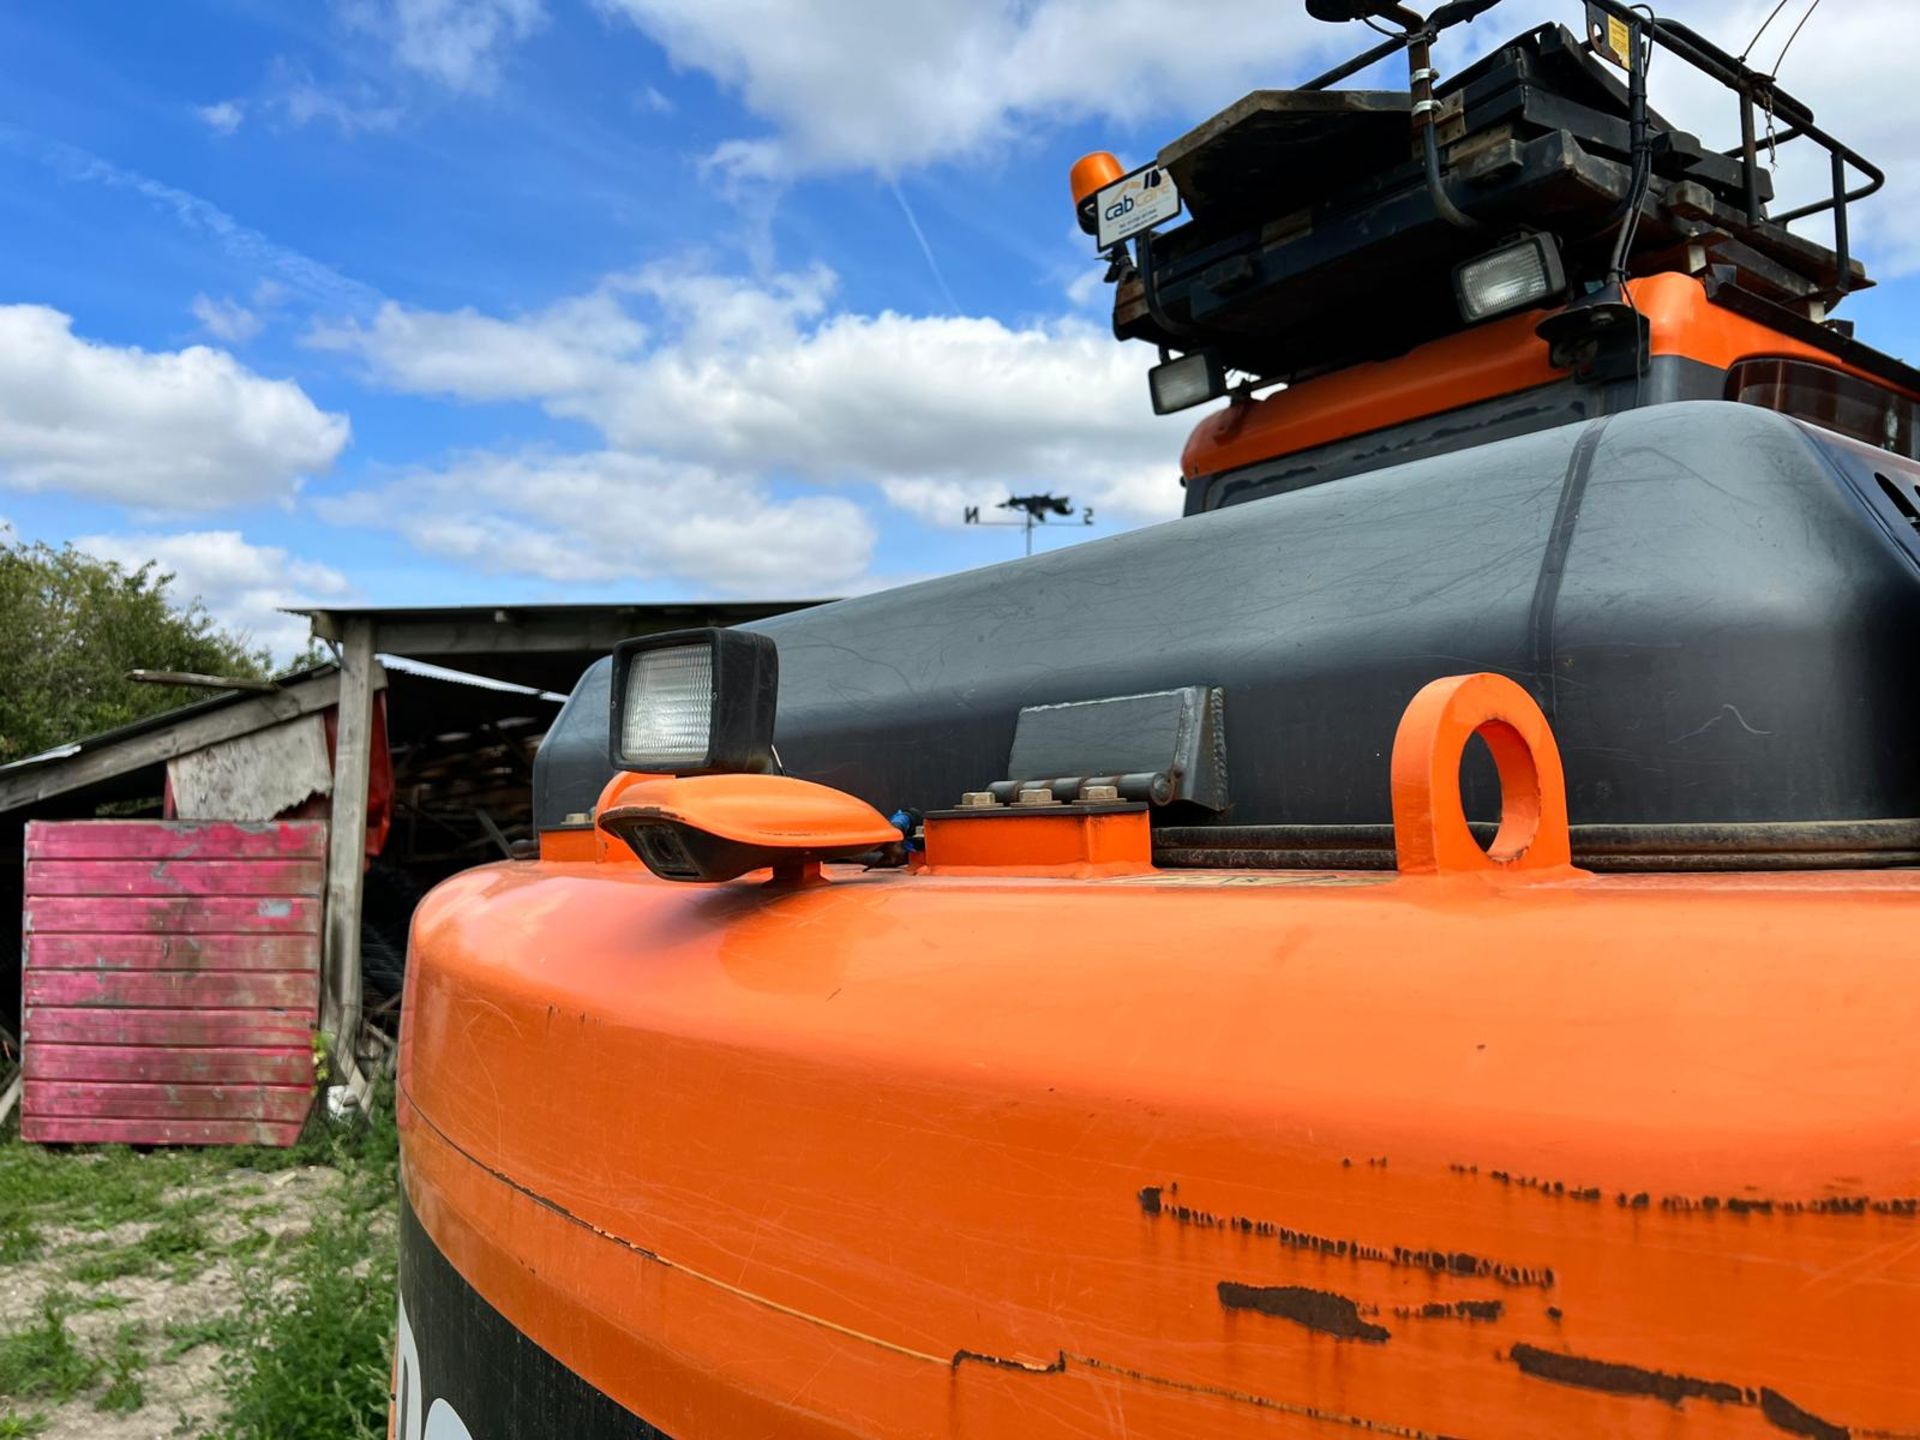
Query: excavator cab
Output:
(1376,276)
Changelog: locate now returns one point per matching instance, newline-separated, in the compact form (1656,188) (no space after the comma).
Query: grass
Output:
(307,1351)
(126,1362)
(42,1360)
(185,1336)
(177,1244)
(318,1311)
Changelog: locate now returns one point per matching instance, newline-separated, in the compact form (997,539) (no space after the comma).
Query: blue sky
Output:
(448,301)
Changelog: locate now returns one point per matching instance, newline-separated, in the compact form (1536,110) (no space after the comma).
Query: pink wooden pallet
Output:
(171,979)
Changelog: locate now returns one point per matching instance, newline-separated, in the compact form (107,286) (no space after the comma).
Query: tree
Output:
(72,626)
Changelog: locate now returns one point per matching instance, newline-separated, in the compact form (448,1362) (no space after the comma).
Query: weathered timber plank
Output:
(69,1131)
(159,1065)
(173,952)
(21,786)
(174,989)
(231,878)
(176,840)
(92,1100)
(195,915)
(71,1025)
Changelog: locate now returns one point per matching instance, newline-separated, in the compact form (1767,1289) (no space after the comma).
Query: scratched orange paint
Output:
(913,1154)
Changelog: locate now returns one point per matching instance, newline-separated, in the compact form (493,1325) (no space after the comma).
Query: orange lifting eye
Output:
(1092,174)
(1430,826)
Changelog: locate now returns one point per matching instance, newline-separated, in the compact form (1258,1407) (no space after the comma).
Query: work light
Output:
(1517,276)
(1188,381)
(694,702)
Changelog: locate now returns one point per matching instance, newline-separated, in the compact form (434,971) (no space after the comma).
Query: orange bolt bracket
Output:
(1429,824)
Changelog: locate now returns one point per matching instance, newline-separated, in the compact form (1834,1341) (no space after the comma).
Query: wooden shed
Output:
(452,700)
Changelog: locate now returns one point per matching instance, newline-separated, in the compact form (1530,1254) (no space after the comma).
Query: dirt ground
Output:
(161,1327)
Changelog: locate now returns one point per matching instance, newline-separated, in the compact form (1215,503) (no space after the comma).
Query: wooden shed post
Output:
(347,844)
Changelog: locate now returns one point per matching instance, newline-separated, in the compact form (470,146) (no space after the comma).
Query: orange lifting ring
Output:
(1430,826)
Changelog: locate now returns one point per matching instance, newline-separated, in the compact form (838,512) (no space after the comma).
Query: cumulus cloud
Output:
(223,118)
(191,429)
(458,43)
(848,85)
(242,585)
(613,516)
(760,379)
(568,348)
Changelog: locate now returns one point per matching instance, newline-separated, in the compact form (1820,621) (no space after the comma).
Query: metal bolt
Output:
(1100,795)
(978,800)
(1037,797)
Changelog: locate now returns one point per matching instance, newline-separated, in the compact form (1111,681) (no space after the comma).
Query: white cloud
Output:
(850,84)
(757,379)
(847,84)
(190,429)
(609,516)
(355,109)
(648,97)
(242,585)
(223,118)
(568,348)
(226,319)
(455,42)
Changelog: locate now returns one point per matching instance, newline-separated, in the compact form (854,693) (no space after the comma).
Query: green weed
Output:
(42,1360)
(15,1426)
(317,1311)
(126,1363)
(185,1336)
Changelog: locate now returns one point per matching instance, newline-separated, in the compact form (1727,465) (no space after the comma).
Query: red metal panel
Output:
(172,952)
(67,1131)
(158,1065)
(198,915)
(175,840)
(171,978)
(63,1099)
(174,877)
(79,1026)
(170,989)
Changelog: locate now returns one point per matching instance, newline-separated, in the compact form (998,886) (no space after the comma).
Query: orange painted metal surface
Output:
(1484,1151)
(771,810)
(1502,357)
(1040,841)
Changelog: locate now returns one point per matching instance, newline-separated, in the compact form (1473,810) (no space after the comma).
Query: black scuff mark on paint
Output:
(1453,1310)
(1783,1414)
(1150,1199)
(1616,1378)
(1319,1310)
(1434,1259)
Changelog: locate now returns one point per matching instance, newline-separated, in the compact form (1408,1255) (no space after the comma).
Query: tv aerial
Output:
(1033,510)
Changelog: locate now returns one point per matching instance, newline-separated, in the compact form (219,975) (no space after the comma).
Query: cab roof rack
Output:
(1321,236)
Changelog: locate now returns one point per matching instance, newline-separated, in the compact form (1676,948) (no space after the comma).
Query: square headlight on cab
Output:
(694,702)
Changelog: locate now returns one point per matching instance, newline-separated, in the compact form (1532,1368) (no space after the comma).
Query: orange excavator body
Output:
(1160,1088)
(1488,1147)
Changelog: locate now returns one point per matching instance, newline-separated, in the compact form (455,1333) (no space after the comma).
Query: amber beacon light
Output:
(1092,174)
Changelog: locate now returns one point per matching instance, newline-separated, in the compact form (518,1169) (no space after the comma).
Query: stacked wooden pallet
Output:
(171,978)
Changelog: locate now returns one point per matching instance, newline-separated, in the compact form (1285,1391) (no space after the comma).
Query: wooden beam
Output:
(483,631)
(347,843)
(30,784)
(193,680)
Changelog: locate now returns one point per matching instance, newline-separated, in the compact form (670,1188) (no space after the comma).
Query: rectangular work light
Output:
(1517,276)
(694,702)
(1188,381)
